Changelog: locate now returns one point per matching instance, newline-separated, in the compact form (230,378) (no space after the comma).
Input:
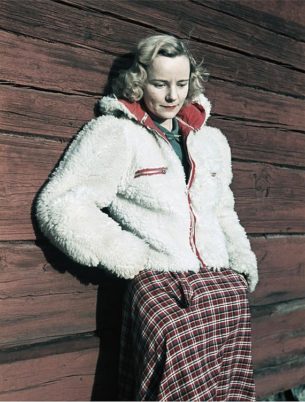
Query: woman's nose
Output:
(171,94)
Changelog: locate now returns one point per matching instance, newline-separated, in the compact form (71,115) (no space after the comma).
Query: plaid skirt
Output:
(186,336)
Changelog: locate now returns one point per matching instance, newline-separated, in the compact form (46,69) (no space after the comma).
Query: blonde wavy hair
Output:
(129,83)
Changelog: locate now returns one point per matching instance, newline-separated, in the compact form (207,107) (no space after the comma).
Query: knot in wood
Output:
(262,184)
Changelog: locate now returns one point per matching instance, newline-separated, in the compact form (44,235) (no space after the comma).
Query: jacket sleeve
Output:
(241,257)
(69,208)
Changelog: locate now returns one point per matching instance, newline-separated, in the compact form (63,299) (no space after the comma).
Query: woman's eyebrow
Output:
(161,80)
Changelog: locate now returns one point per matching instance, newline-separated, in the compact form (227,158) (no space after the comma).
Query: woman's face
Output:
(166,87)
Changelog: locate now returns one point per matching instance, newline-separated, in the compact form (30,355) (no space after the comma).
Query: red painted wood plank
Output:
(191,20)
(284,17)
(269,199)
(278,333)
(289,11)
(45,296)
(281,265)
(236,102)
(53,66)
(258,142)
(25,111)
(74,69)
(288,376)
(39,303)
(67,376)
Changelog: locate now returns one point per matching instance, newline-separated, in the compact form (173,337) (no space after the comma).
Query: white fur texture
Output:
(148,221)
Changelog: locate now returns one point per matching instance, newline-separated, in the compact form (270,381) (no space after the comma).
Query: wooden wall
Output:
(55,58)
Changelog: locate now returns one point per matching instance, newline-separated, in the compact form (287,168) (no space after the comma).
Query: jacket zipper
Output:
(192,214)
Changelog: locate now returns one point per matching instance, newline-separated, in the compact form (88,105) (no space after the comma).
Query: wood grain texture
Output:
(45,296)
(278,346)
(81,64)
(67,376)
(257,141)
(199,22)
(24,169)
(29,112)
(281,379)
(53,66)
(236,102)
(39,303)
(70,376)
(99,363)
(278,333)
(269,199)
(273,14)
(281,267)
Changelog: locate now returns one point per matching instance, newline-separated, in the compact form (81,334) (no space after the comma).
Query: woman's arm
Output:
(68,209)
(242,259)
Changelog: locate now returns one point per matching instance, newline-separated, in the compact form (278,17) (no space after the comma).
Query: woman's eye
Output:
(158,85)
(182,84)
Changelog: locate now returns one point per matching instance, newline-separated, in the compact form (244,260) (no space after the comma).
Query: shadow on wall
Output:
(110,288)
(109,321)
(110,295)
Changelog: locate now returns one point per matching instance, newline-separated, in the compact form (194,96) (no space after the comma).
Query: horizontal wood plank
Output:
(258,142)
(258,106)
(73,69)
(87,24)
(197,21)
(39,302)
(278,333)
(67,376)
(281,268)
(26,111)
(291,15)
(278,329)
(100,368)
(45,296)
(289,375)
(73,343)
(53,66)
(269,199)
(280,16)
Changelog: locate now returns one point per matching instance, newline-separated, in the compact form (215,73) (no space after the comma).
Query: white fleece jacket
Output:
(154,220)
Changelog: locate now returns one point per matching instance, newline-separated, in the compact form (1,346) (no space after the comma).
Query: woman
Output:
(170,227)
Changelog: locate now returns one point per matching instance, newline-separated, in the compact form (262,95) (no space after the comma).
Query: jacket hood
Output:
(190,117)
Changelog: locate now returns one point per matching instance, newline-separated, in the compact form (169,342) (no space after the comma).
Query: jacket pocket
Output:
(150,171)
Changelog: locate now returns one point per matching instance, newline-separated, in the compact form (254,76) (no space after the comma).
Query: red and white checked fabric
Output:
(186,336)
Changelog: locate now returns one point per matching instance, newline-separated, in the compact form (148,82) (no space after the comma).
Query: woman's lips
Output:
(170,107)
